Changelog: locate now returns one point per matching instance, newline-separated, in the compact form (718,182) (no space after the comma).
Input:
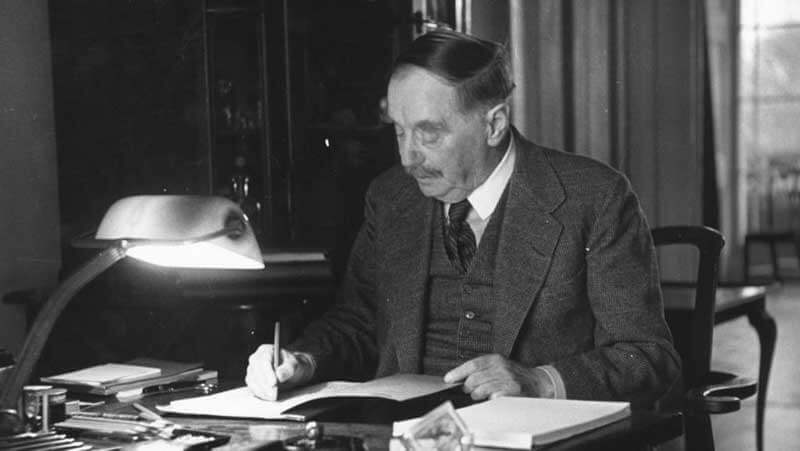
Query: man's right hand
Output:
(264,380)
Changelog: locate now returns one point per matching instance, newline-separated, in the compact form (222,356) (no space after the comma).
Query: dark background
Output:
(182,96)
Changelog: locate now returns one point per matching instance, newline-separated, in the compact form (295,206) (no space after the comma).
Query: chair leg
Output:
(767,333)
(698,433)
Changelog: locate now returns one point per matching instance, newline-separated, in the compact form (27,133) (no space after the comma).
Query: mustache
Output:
(421,172)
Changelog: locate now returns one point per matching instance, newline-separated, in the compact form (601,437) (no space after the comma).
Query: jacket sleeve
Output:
(633,358)
(343,341)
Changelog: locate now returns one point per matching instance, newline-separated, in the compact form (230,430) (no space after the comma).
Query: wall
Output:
(29,237)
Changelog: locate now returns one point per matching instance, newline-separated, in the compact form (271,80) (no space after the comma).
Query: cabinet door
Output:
(237,98)
(339,57)
(129,103)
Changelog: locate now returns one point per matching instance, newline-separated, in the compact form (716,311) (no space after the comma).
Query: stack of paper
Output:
(113,378)
(106,374)
(520,423)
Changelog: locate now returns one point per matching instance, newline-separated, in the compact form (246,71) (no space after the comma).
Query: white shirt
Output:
(486,196)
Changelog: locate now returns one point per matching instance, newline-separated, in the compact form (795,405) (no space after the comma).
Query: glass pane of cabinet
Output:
(340,54)
(236,96)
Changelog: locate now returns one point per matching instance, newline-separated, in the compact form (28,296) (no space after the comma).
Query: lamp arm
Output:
(49,313)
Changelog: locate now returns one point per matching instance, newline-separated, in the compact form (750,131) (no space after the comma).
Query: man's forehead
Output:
(416,95)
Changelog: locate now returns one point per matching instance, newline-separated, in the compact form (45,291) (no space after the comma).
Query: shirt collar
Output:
(485,197)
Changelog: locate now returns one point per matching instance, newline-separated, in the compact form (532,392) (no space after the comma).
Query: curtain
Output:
(621,81)
(722,20)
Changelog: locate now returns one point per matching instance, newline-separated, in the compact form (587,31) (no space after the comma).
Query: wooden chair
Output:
(706,391)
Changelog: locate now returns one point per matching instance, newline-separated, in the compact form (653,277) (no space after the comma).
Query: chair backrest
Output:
(695,349)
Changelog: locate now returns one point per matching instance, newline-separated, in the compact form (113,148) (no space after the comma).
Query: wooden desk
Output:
(639,430)
(732,302)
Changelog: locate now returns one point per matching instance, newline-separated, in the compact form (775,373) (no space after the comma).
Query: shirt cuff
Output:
(559,391)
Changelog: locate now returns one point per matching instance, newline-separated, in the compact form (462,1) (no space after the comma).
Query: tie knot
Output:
(458,212)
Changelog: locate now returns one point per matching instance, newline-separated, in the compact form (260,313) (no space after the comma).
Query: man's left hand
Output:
(490,376)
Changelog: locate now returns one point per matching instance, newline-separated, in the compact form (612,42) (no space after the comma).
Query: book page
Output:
(241,403)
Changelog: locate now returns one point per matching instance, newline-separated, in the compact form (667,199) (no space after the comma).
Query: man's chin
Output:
(428,186)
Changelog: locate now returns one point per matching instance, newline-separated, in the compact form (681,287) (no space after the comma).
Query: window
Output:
(769,110)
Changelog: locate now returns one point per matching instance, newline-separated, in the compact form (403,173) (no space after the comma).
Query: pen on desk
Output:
(175,386)
(147,413)
(116,416)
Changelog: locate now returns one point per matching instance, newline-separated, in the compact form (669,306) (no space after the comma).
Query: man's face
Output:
(442,147)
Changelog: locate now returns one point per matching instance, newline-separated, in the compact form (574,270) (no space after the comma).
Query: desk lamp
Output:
(166,230)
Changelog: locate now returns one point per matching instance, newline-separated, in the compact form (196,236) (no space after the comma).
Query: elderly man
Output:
(484,258)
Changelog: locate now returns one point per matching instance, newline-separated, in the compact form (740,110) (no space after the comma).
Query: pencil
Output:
(276,346)
(276,352)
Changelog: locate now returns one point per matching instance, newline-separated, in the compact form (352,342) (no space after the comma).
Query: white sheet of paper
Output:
(519,423)
(241,403)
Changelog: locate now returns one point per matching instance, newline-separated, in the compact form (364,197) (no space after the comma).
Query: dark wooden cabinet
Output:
(273,103)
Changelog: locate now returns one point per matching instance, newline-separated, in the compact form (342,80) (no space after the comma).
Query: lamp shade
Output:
(182,231)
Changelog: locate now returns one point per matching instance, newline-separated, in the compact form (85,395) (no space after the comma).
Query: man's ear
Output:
(497,123)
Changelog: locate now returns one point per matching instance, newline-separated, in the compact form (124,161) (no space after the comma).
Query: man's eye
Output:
(429,137)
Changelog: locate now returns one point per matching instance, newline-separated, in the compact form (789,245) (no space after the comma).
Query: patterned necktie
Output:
(459,239)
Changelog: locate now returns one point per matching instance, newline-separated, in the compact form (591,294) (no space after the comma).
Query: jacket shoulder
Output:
(390,184)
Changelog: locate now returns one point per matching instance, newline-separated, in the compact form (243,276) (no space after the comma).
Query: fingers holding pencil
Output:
(264,377)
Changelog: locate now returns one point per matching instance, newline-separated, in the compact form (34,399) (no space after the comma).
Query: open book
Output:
(241,403)
(521,423)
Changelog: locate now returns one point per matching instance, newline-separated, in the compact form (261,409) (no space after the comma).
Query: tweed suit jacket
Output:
(575,283)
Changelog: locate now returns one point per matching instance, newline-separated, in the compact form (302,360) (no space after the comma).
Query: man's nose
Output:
(409,155)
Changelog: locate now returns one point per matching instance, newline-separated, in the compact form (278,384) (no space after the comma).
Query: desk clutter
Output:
(99,430)
(69,412)
(134,378)
(178,439)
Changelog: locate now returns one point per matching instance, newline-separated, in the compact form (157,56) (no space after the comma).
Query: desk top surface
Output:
(642,428)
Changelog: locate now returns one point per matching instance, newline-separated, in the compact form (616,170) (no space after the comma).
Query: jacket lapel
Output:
(407,268)
(527,242)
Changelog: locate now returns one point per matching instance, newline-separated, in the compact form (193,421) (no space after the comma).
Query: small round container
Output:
(36,407)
